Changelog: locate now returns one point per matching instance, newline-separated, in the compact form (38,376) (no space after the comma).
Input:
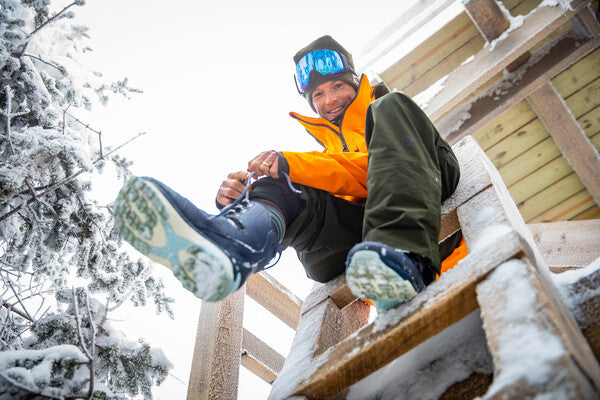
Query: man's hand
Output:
(232,187)
(266,163)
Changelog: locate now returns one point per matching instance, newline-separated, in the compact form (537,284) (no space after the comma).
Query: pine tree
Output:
(62,269)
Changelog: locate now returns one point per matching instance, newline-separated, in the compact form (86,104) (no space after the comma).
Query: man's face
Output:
(330,99)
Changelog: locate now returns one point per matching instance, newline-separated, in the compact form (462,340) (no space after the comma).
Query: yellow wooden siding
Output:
(540,180)
(505,124)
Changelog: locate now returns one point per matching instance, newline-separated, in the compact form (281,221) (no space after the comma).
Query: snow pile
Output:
(44,372)
(423,98)
(429,369)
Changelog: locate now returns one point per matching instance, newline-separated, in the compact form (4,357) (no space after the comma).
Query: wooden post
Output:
(568,135)
(322,325)
(544,365)
(491,22)
(216,362)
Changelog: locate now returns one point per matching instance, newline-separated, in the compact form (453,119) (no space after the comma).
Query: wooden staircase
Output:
(502,252)
(335,347)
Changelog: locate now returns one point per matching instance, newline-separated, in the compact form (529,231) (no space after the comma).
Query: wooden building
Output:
(514,82)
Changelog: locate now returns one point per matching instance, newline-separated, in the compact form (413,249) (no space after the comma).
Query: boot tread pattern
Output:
(147,220)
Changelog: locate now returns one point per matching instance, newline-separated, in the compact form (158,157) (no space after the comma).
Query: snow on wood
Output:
(260,358)
(580,289)
(275,297)
(567,244)
(320,327)
(441,304)
(532,350)
(489,61)
(428,370)
(544,64)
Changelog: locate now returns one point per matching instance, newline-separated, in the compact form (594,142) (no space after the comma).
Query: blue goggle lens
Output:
(323,61)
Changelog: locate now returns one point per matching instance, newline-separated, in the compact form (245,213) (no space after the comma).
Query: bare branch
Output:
(86,126)
(78,324)
(19,313)
(124,144)
(42,26)
(93,346)
(29,317)
(89,217)
(44,61)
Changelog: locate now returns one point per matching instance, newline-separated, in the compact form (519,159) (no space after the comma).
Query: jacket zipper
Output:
(338,134)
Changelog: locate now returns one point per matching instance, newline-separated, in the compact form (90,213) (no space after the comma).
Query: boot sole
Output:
(147,220)
(369,278)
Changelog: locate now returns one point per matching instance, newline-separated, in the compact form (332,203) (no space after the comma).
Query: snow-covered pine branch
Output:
(57,342)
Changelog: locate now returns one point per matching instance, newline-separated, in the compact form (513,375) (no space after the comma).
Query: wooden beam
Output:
(469,118)
(259,358)
(589,21)
(216,362)
(568,243)
(535,311)
(492,22)
(489,61)
(275,297)
(488,17)
(568,135)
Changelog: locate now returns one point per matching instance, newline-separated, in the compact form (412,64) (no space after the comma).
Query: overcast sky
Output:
(217,82)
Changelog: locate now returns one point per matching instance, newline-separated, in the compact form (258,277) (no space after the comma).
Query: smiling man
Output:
(368,204)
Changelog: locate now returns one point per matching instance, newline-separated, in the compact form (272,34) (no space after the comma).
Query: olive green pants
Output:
(411,171)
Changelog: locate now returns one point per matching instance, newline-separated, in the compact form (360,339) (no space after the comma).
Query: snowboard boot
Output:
(212,255)
(384,275)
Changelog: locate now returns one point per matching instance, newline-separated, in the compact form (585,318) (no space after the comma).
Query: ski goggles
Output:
(325,62)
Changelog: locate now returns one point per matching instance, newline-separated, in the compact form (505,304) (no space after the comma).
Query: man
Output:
(369,204)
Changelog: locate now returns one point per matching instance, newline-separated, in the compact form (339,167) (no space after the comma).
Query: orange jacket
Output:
(341,168)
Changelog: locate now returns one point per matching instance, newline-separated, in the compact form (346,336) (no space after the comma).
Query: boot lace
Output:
(242,201)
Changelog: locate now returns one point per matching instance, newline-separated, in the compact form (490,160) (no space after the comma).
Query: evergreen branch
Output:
(89,217)
(64,181)
(42,26)
(61,70)
(35,393)
(50,189)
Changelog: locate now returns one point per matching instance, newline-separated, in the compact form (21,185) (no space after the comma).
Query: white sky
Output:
(217,82)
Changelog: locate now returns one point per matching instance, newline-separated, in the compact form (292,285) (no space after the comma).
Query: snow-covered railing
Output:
(504,276)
